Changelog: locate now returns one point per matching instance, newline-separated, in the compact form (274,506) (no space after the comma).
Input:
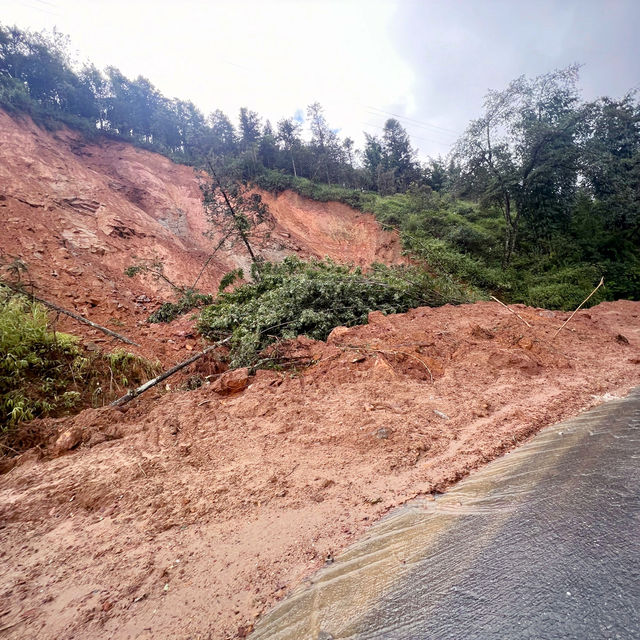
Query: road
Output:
(541,544)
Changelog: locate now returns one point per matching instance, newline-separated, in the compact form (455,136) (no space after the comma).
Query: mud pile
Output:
(190,513)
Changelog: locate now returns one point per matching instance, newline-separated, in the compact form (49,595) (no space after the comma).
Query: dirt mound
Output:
(189,513)
(79,213)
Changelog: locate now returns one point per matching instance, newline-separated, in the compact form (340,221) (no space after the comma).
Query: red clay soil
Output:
(78,213)
(189,514)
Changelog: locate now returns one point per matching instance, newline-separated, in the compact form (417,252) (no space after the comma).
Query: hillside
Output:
(78,213)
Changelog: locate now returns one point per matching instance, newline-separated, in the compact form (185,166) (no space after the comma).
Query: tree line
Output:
(37,76)
(549,163)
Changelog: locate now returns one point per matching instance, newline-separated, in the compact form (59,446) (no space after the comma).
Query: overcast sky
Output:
(430,62)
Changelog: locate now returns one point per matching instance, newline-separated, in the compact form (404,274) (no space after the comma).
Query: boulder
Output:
(68,440)
(231,382)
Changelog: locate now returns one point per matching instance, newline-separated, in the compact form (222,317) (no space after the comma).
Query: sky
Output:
(427,62)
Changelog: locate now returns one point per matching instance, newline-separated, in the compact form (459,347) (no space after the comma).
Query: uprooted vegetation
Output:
(294,298)
(47,373)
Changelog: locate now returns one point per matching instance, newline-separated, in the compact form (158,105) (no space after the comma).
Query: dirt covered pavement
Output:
(190,513)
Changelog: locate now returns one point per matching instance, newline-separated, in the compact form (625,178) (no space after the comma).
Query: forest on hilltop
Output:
(539,198)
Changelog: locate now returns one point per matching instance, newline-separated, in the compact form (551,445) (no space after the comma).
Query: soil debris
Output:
(233,500)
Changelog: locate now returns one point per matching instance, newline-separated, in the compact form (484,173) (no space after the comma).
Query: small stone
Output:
(444,416)
(622,339)
(382,433)
(231,381)
(68,440)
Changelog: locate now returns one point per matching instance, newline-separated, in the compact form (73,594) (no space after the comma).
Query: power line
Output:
(414,121)
(427,140)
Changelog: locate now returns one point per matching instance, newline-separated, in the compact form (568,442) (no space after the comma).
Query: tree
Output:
(372,158)
(222,134)
(522,153)
(236,214)
(611,160)
(324,142)
(398,154)
(289,136)
(249,131)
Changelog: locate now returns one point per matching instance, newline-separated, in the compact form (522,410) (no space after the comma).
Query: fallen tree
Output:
(71,314)
(134,393)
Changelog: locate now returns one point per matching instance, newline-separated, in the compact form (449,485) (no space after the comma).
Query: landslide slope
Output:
(78,213)
(190,513)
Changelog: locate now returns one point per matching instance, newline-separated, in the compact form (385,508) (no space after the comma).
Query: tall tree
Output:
(611,160)
(522,154)
(249,132)
(398,154)
(289,136)
(324,141)
(236,213)
(222,133)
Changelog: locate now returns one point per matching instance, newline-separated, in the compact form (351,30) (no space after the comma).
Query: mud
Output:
(190,514)
(542,543)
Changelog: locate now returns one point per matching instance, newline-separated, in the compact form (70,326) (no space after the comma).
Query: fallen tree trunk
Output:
(71,314)
(134,393)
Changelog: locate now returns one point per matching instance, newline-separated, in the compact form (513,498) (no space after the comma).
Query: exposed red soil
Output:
(189,514)
(79,213)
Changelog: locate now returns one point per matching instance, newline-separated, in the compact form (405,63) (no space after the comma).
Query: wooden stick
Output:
(134,393)
(511,310)
(578,309)
(71,314)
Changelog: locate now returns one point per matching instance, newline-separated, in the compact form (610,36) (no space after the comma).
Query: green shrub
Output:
(311,298)
(188,301)
(48,373)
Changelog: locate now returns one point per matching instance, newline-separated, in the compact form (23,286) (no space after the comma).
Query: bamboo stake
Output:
(578,309)
(134,393)
(511,310)
(71,314)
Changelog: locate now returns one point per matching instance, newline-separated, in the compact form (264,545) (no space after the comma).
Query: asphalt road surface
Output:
(542,544)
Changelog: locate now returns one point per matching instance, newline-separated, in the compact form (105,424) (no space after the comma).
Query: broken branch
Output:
(511,310)
(578,309)
(71,314)
(134,393)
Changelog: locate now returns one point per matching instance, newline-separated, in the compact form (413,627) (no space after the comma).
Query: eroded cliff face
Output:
(78,213)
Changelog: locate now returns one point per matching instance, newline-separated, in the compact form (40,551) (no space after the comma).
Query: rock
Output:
(231,381)
(622,339)
(444,416)
(526,343)
(68,440)
(336,334)
(378,318)
(382,433)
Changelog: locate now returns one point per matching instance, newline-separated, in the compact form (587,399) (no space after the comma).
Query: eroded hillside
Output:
(78,213)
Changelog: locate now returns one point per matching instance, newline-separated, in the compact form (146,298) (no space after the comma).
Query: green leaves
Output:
(311,298)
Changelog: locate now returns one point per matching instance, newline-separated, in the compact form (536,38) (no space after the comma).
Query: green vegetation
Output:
(188,301)
(47,373)
(311,298)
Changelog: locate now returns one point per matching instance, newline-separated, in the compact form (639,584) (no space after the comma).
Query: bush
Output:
(47,373)
(171,310)
(311,298)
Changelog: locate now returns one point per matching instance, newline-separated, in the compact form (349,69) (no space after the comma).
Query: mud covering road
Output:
(191,513)
(543,543)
